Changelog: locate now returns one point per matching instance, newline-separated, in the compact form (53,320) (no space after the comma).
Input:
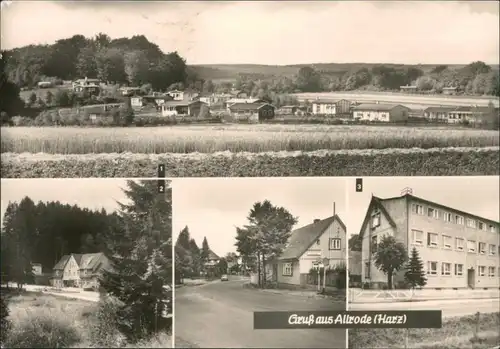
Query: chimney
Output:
(334,208)
(316,220)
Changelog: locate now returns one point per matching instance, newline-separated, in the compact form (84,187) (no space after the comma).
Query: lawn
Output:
(456,333)
(40,320)
(236,138)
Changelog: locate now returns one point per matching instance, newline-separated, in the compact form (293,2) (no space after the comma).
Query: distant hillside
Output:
(232,71)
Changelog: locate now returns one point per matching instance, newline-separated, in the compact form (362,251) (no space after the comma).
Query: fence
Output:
(375,296)
(333,279)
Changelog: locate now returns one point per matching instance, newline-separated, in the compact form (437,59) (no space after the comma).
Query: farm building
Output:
(232,101)
(331,107)
(189,108)
(308,245)
(381,112)
(238,94)
(252,111)
(183,95)
(408,89)
(439,114)
(130,91)
(215,98)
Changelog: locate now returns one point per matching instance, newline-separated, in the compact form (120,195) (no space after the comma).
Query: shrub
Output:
(42,329)
(103,326)
(4,321)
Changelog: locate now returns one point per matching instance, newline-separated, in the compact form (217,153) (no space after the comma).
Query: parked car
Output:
(224,278)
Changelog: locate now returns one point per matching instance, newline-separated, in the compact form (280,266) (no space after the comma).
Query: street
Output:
(450,308)
(220,315)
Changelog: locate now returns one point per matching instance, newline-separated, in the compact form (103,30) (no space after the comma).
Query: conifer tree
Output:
(415,275)
(139,247)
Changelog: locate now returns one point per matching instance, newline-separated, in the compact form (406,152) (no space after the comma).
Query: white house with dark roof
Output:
(323,238)
(381,112)
(79,270)
(330,106)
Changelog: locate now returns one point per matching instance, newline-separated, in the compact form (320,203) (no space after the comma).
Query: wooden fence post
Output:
(476,330)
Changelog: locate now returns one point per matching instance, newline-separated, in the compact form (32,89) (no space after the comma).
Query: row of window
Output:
(452,218)
(446,269)
(459,244)
(458,270)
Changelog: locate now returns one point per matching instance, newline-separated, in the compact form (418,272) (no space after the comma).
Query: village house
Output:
(438,114)
(183,95)
(154,99)
(130,91)
(381,112)
(323,238)
(408,89)
(87,86)
(215,99)
(331,107)
(79,270)
(232,101)
(473,114)
(252,111)
(185,108)
(450,90)
(458,249)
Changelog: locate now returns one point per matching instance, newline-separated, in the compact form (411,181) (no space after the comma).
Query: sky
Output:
(476,195)
(214,207)
(91,193)
(274,33)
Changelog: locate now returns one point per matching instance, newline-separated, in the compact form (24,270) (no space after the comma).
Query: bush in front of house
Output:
(42,328)
(105,323)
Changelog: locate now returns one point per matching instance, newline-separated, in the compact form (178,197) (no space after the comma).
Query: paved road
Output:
(220,315)
(450,308)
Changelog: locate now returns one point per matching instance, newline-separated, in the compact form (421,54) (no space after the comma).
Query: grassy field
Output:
(456,333)
(42,92)
(236,138)
(248,150)
(45,321)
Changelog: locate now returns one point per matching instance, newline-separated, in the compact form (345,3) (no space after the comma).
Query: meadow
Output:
(248,151)
(41,320)
(456,333)
(237,138)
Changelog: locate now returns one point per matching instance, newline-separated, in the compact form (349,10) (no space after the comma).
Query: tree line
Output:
(190,259)
(137,239)
(476,78)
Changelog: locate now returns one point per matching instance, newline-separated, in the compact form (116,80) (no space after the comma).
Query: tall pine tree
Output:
(415,275)
(139,247)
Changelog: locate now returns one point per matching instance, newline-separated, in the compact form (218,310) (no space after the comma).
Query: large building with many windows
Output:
(458,249)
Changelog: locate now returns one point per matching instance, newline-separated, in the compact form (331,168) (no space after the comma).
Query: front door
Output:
(471,278)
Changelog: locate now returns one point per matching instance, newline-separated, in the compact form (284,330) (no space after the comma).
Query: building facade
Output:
(309,245)
(79,270)
(331,107)
(381,112)
(458,249)
(252,111)
(185,108)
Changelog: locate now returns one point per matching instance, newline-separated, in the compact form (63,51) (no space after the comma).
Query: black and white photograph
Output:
(249,88)
(426,243)
(86,263)
(257,244)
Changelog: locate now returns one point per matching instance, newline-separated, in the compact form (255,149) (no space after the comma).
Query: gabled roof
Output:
(303,238)
(377,106)
(212,255)
(84,261)
(243,100)
(376,203)
(248,106)
(472,109)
